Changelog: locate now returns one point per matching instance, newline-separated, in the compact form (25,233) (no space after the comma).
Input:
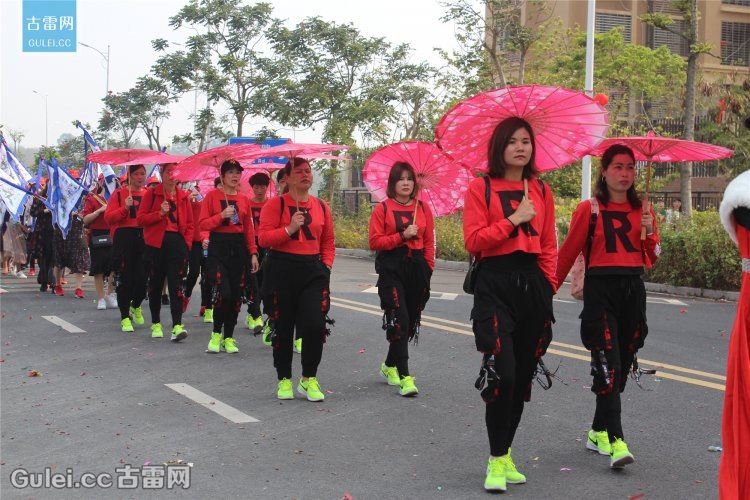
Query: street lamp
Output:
(46,118)
(106,59)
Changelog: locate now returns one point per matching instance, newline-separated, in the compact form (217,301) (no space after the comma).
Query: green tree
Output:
(118,121)
(70,150)
(689,11)
(222,59)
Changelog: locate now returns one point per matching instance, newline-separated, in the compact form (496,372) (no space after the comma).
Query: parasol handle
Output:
(526,188)
(645,198)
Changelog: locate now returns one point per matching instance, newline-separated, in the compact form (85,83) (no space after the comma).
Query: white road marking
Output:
(663,300)
(433,294)
(63,324)
(213,404)
(3,291)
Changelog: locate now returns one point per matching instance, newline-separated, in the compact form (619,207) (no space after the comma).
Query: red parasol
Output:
(652,148)
(208,162)
(567,124)
(442,181)
(125,156)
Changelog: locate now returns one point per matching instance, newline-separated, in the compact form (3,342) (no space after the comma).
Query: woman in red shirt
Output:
(513,236)
(402,231)
(297,230)
(613,321)
(232,254)
(100,245)
(197,260)
(259,183)
(167,220)
(127,247)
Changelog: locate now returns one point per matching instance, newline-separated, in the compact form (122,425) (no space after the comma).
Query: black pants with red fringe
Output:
(512,317)
(229,278)
(129,268)
(170,262)
(613,321)
(296,294)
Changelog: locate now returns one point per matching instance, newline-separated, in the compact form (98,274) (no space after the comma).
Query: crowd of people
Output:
(276,256)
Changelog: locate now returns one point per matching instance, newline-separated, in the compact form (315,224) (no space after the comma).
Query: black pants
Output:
(228,272)
(127,263)
(613,321)
(168,262)
(512,318)
(44,252)
(296,294)
(404,289)
(196,266)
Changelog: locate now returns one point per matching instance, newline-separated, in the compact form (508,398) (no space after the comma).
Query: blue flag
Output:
(65,195)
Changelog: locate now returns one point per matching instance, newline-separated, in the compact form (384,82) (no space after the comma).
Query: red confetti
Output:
(35,373)
(29,317)
(683,311)
(2,360)
(636,497)
(3,315)
(83,373)
(347,496)
(362,351)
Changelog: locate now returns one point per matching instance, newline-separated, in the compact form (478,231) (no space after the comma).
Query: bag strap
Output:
(592,225)
(487,191)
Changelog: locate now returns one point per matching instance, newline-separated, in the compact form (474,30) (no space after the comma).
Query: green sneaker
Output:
(208,316)
(214,345)
(407,386)
(311,389)
(390,373)
(126,325)
(249,322)
(495,480)
(512,476)
(266,333)
(230,345)
(598,442)
(286,391)
(156,331)
(257,325)
(137,313)
(620,455)
(178,333)
(298,346)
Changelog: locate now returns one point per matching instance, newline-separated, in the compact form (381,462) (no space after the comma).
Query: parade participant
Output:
(281,181)
(43,235)
(259,183)
(734,468)
(297,230)
(100,245)
(127,246)
(509,225)
(402,232)
(613,321)
(70,252)
(232,254)
(167,220)
(197,261)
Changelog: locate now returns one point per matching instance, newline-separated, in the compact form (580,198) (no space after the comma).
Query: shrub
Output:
(449,235)
(352,230)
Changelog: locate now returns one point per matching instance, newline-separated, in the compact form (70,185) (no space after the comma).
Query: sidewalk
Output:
(682,291)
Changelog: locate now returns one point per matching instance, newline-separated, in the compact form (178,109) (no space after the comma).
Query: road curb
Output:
(682,291)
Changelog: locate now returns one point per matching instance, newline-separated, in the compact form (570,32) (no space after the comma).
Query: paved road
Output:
(103,401)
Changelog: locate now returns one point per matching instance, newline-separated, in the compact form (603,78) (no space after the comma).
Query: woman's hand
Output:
(647,220)
(164,208)
(254,263)
(228,212)
(524,212)
(411,231)
(129,202)
(204,244)
(101,209)
(297,221)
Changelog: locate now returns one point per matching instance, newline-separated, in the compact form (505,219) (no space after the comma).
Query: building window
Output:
(676,44)
(664,7)
(745,3)
(607,22)
(735,44)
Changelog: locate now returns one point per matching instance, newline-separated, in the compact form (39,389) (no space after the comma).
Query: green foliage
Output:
(449,237)
(352,230)
(70,149)
(564,208)
(697,253)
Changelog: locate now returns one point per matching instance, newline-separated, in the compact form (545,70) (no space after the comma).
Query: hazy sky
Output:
(75,82)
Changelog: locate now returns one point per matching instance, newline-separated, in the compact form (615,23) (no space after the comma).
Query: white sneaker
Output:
(21,275)
(101,305)
(112,300)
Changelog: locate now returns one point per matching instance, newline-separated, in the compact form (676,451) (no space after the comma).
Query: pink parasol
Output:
(208,162)
(295,150)
(442,181)
(653,148)
(567,124)
(125,156)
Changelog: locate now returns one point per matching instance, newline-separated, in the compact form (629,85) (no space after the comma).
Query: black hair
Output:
(500,139)
(294,162)
(217,181)
(602,192)
(133,168)
(259,179)
(397,171)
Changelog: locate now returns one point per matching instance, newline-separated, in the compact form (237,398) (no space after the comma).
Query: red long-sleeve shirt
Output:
(489,233)
(616,242)
(178,220)
(255,208)
(198,235)
(387,221)
(315,237)
(117,214)
(91,205)
(211,220)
